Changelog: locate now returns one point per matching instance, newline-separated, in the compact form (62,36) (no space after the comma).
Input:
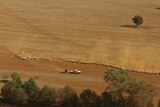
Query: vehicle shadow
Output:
(63,72)
(129,26)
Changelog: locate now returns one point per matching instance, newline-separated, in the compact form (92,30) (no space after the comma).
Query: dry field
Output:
(94,31)
(49,73)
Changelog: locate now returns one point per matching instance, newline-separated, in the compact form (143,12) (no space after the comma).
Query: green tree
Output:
(106,99)
(14,93)
(88,98)
(15,77)
(122,86)
(47,96)
(140,94)
(60,97)
(32,90)
(116,78)
(67,97)
(138,20)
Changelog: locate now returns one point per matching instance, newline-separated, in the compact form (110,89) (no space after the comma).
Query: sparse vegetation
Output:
(138,20)
(123,91)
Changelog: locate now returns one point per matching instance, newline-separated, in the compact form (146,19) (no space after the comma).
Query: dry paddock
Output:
(96,31)
(93,31)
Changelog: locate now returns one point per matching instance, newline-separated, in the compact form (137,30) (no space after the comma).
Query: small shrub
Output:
(138,20)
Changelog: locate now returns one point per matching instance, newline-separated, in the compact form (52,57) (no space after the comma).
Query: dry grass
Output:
(96,31)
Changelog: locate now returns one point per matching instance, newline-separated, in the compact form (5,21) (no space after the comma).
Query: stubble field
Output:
(97,31)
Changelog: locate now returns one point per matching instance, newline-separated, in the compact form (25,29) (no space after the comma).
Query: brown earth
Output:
(97,31)
(49,73)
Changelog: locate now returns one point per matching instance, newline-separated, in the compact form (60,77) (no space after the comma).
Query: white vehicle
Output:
(76,71)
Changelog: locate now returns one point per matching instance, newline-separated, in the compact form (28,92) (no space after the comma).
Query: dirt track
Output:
(99,31)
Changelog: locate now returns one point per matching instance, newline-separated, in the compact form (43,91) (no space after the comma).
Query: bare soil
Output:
(49,73)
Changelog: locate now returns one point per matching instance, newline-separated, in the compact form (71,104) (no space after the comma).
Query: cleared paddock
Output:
(95,31)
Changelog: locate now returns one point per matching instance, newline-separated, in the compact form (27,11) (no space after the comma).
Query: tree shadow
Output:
(4,81)
(129,26)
